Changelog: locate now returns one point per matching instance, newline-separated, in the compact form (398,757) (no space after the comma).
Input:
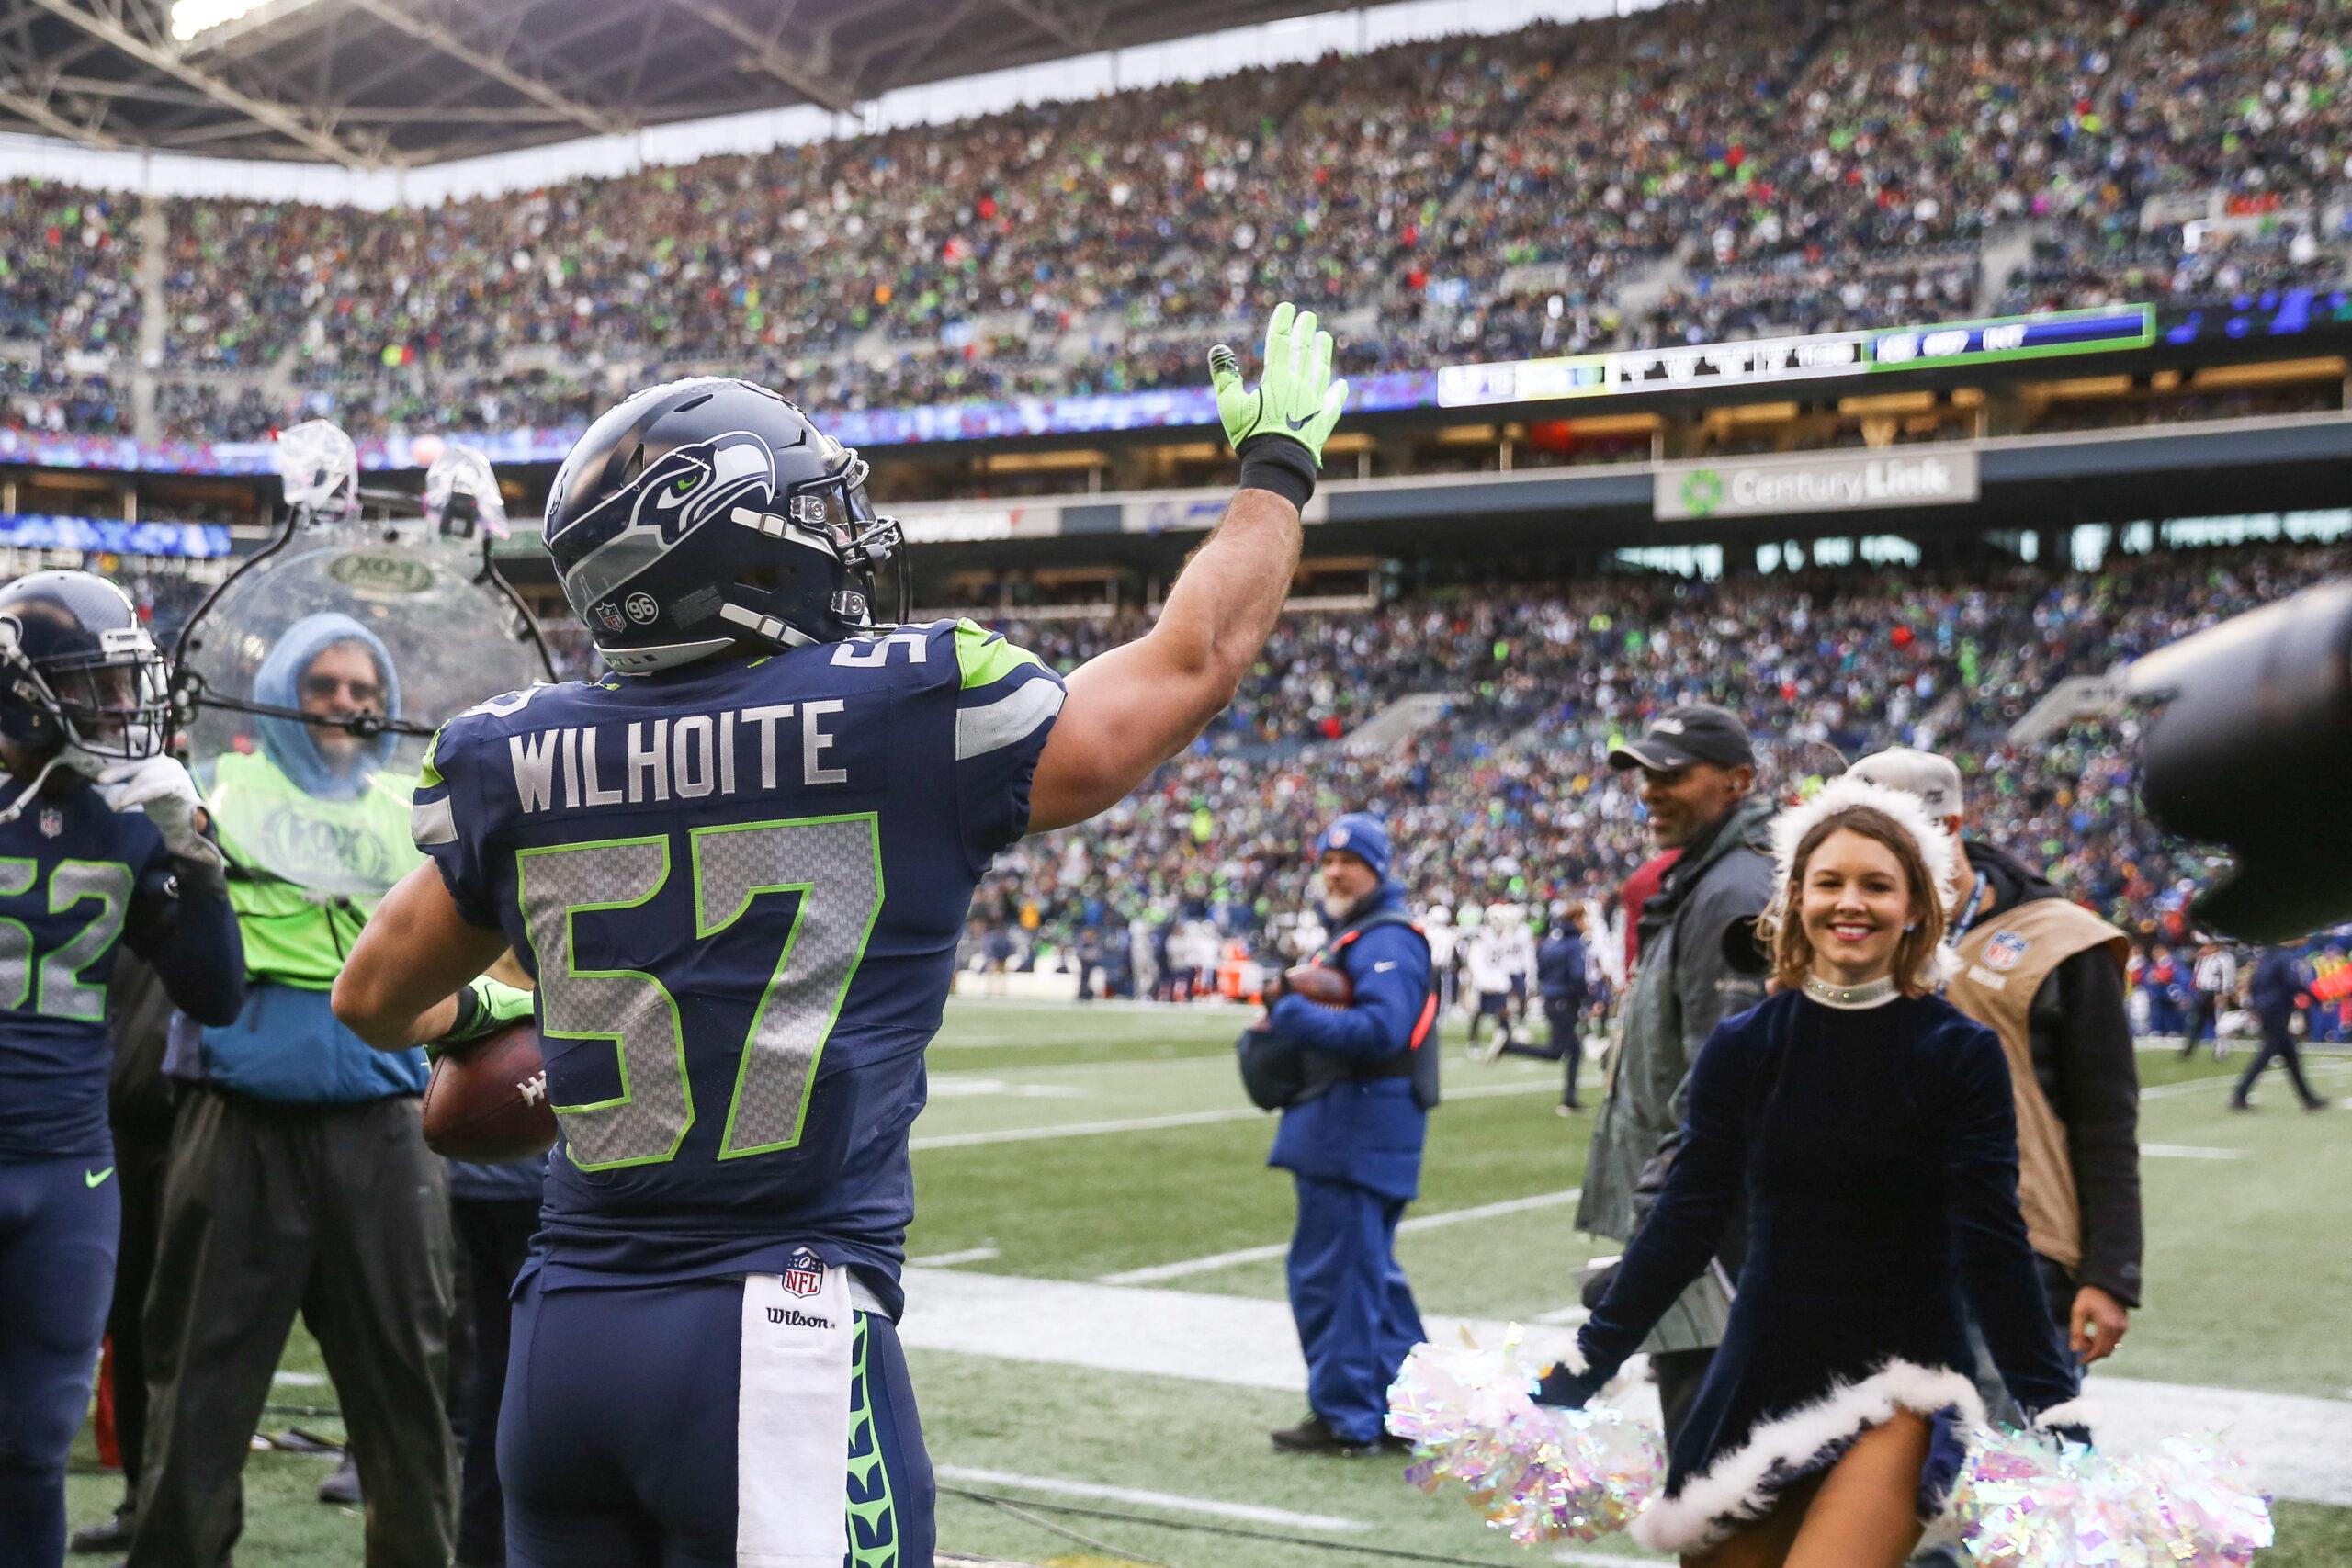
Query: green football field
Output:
(1097,1340)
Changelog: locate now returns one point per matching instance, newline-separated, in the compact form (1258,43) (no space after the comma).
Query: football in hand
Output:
(487,1102)
(1325,986)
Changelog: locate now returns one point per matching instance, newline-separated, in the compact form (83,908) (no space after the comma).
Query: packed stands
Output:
(1674,176)
(1508,796)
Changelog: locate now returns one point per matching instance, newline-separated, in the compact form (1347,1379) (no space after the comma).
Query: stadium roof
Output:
(372,83)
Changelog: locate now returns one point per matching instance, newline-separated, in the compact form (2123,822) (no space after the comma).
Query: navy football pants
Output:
(616,1442)
(58,1230)
(1355,1314)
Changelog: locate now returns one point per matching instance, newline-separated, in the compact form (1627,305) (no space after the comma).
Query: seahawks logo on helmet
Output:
(792,563)
(678,492)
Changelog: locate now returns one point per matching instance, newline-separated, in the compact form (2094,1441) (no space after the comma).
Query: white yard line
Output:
(1073,1009)
(1217,1261)
(1179,1119)
(950,1260)
(1605,1560)
(1054,1486)
(2299,1448)
(1566,1316)
(298,1379)
(1080,1129)
(2190,1151)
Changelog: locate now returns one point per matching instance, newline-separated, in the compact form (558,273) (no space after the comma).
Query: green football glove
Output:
(485,1007)
(1295,399)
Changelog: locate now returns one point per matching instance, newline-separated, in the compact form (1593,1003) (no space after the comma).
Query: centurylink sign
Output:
(1777,486)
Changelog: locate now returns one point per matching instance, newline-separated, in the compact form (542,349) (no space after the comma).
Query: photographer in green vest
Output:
(300,1132)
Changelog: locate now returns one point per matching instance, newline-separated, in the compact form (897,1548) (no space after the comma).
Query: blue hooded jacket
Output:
(292,745)
(1369,1132)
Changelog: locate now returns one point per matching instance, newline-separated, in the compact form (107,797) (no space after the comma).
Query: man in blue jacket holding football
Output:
(1352,1140)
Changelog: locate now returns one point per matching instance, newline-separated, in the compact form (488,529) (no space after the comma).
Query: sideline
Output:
(2299,1446)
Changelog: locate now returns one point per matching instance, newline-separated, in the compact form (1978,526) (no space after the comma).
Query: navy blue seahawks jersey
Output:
(739,885)
(70,867)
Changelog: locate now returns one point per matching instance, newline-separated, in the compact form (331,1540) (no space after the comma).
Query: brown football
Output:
(1330,987)
(487,1102)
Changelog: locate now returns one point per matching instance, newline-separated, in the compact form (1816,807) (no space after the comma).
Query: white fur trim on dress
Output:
(2074,1413)
(1736,1487)
(1938,848)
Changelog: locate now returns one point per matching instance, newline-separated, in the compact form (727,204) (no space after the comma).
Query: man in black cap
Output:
(1697,772)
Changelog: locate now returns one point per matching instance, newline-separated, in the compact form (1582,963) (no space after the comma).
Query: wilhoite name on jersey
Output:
(740,887)
(690,757)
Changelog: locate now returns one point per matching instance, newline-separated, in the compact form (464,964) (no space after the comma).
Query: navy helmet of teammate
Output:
(101,842)
(738,867)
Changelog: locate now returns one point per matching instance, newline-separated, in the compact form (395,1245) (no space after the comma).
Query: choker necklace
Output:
(1868,994)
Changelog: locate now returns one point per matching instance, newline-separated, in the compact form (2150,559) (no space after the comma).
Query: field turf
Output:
(1075,1143)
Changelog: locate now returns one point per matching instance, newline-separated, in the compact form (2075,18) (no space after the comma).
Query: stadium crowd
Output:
(1507,798)
(1821,163)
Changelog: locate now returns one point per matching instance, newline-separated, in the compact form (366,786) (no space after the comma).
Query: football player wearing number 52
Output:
(738,866)
(102,842)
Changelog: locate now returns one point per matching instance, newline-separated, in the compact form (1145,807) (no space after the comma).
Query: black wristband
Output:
(469,1010)
(1279,464)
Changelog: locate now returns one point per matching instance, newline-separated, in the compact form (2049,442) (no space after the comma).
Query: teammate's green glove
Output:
(485,1007)
(1289,415)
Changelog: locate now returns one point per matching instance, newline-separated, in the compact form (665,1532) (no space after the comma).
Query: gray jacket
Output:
(1683,986)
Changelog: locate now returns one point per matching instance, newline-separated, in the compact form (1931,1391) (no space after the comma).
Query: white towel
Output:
(792,1419)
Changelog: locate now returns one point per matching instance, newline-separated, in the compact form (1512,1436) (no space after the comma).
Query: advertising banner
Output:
(1768,487)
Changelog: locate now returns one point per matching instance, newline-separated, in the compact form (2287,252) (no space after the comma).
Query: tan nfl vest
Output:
(2004,961)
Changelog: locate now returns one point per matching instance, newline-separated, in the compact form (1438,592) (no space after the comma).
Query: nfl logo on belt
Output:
(806,1276)
(2003,951)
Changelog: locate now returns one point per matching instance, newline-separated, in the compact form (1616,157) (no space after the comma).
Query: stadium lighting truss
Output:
(379,84)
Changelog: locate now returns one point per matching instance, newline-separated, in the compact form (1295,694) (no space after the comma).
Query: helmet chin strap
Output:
(23,797)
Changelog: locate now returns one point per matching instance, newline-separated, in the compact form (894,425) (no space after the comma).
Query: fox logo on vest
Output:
(2004,950)
(805,1276)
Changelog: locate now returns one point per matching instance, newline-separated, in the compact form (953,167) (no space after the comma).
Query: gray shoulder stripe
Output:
(430,822)
(1001,722)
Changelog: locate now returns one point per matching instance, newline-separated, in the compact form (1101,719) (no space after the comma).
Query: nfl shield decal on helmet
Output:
(806,1274)
(2003,951)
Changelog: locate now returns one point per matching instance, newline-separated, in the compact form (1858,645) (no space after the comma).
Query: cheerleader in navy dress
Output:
(1871,1129)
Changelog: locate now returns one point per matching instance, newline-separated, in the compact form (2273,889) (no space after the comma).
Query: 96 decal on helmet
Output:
(711,512)
(78,671)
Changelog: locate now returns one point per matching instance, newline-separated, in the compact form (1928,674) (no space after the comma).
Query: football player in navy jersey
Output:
(101,842)
(738,866)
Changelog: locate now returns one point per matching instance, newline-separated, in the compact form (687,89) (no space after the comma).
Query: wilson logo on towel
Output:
(788,1318)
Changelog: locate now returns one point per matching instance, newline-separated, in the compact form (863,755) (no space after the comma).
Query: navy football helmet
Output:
(78,670)
(709,512)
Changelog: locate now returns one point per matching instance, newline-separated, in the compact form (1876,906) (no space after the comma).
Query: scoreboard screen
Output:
(1815,357)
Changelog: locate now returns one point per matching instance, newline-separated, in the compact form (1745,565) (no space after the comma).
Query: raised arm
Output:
(1131,709)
